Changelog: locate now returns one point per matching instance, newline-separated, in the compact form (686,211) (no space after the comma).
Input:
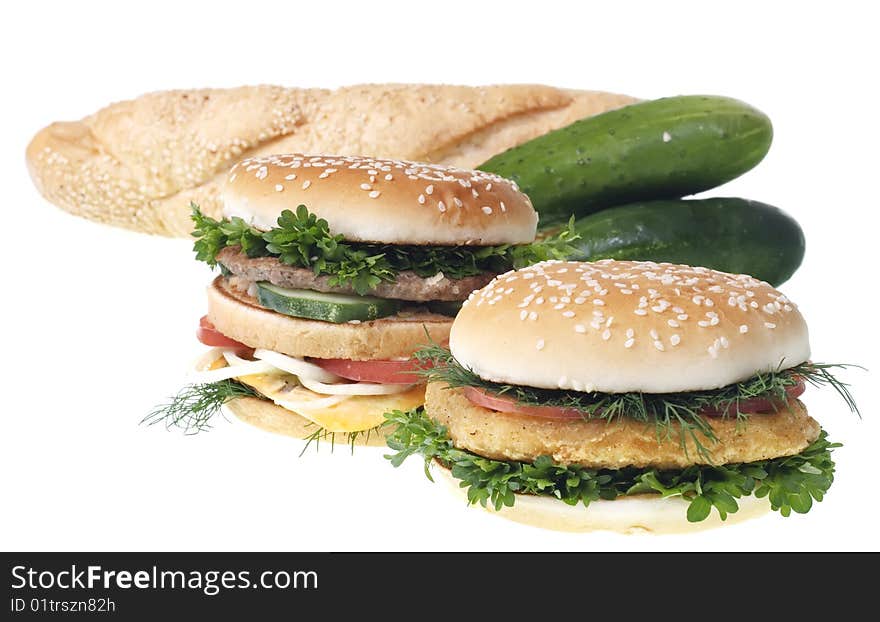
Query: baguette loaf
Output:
(138,163)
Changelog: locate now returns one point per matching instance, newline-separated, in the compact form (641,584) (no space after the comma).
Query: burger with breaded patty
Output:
(334,269)
(624,395)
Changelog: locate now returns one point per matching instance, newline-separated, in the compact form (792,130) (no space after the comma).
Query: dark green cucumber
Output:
(445,307)
(733,235)
(336,308)
(665,148)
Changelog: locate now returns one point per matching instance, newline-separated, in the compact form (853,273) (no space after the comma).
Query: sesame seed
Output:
(429,189)
(559,306)
(306,184)
(568,314)
(713,351)
(598,302)
(366,187)
(640,312)
(533,315)
(675,339)
(457,201)
(580,328)
(673,323)
(389,177)
(630,332)
(290,177)
(421,199)
(666,137)
(743,329)
(682,316)
(487,209)
(539,345)
(659,345)
(374,194)
(441,206)
(770,325)
(606,335)
(703,323)
(503,207)
(278,187)
(724,342)
(523,314)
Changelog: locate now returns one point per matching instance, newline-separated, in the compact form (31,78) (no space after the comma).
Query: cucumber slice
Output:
(336,308)
(445,307)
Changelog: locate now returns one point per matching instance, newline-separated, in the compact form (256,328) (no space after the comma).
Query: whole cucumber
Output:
(728,234)
(664,148)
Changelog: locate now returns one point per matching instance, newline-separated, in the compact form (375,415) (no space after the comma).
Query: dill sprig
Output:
(791,483)
(350,438)
(194,406)
(668,411)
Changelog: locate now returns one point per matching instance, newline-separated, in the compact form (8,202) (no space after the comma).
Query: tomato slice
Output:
(505,404)
(502,403)
(759,404)
(382,372)
(210,336)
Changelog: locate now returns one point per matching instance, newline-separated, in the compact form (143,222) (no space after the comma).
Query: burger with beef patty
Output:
(334,270)
(626,396)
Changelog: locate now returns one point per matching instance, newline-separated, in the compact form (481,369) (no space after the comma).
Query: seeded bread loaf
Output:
(137,164)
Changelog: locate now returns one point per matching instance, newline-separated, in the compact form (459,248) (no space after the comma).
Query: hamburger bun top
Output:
(384,201)
(621,326)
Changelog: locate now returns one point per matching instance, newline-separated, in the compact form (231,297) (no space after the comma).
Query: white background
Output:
(98,322)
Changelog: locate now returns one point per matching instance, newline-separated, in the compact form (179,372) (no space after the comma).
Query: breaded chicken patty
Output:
(623,442)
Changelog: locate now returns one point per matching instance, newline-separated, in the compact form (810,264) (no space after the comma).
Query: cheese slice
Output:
(346,413)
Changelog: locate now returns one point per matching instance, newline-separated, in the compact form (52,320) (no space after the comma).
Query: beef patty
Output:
(408,286)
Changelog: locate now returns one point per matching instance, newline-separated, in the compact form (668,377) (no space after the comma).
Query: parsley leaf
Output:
(302,239)
(792,482)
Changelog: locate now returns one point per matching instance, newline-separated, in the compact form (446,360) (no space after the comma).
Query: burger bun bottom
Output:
(636,514)
(269,417)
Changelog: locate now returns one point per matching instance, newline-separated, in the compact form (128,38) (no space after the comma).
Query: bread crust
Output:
(138,163)
(624,442)
(236,315)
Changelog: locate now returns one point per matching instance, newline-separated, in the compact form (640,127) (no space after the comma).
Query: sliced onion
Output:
(354,388)
(295,366)
(242,367)
(207,359)
(233,359)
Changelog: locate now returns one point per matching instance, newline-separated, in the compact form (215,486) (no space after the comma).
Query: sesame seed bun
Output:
(636,514)
(385,201)
(238,316)
(621,326)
